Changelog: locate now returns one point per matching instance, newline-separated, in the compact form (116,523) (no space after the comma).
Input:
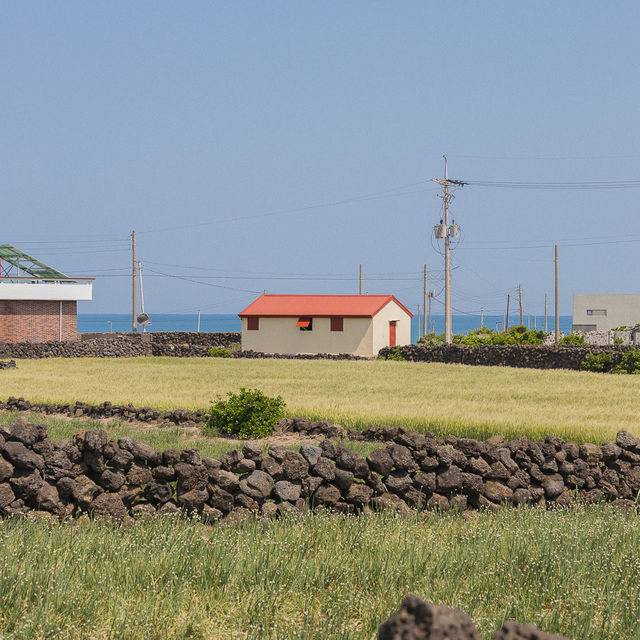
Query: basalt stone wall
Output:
(420,620)
(298,356)
(96,348)
(8,364)
(92,474)
(123,345)
(522,356)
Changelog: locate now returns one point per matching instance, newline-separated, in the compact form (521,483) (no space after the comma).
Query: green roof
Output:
(27,263)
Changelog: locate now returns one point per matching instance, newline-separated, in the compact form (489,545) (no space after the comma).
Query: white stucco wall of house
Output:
(280,335)
(391,311)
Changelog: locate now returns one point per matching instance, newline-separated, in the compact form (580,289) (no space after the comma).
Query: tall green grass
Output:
(571,572)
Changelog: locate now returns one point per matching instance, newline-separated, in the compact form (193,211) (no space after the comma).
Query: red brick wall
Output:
(37,320)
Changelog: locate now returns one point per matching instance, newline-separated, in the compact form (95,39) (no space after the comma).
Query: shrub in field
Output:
(247,414)
(216,352)
(431,339)
(630,363)
(476,337)
(396,354)
(597,362)
(572,339)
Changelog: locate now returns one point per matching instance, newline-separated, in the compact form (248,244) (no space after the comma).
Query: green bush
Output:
(630,363)
(597,362)
(396,354)
(431,339)
(218,352)
(617,341)
(572,339)
(247,414)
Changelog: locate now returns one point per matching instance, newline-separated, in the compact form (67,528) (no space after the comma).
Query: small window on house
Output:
(596,312)
(337,324)
(305,324)
(253,323)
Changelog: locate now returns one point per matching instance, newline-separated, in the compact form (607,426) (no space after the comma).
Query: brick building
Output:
(37,303)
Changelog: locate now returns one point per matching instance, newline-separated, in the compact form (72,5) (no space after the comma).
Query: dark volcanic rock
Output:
(108,505)
(420,620)
(516,631)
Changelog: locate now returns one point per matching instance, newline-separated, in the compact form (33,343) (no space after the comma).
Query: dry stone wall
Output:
(123,345)
(522,356)
(420,620)
(128,477)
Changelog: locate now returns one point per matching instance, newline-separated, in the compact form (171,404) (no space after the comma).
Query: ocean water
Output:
(106,322)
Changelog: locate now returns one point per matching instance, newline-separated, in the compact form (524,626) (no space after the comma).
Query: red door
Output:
(392,333)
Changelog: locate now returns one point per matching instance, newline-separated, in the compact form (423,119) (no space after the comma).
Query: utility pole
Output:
(546,327)
(360,279)
(198,320)
(447,231)
(481,317)
(506,318)
(520,301)
(134,290)
(425,293)
(144,322)
(429,326)
(557,302)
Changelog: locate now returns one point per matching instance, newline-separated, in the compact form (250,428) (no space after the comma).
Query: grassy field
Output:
(576,573)
(160,439)
(472,401)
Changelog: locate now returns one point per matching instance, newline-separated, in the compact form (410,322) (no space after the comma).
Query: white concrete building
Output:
(298,324)
(605,311)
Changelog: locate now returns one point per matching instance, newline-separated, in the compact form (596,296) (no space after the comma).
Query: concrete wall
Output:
(381,327)
(621,310)
(45,291)
(280,335)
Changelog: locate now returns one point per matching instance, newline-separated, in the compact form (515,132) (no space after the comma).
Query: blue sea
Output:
(114,322)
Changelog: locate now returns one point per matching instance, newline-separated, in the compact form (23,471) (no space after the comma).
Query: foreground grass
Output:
(471,401)
(576,573)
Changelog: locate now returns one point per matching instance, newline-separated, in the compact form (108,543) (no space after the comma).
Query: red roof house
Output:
(297,324)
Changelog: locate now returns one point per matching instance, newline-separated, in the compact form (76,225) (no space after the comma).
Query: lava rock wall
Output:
(516,355)
(128,477)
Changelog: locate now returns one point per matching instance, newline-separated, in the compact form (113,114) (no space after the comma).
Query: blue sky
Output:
(276,145)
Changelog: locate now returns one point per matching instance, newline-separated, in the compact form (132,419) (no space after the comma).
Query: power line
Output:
(323,205)
(613,184)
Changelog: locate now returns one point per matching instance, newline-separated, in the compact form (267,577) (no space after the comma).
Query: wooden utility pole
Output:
(546,327)
(446,231)
(134,289)
(360,279)
(429,325)
(520,301)
(506,318)
(557,302)
(425,293)
(481,317)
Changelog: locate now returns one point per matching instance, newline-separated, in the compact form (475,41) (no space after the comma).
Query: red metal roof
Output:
(319,305)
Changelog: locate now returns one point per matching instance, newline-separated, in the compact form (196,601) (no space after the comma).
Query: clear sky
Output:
(276,145)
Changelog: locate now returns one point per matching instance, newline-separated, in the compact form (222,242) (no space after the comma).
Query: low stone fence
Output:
(517,355)
(420,620)
(127,478)
(8,364)
(123,345)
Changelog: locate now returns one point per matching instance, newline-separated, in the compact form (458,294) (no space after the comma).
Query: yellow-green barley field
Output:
(464,400)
